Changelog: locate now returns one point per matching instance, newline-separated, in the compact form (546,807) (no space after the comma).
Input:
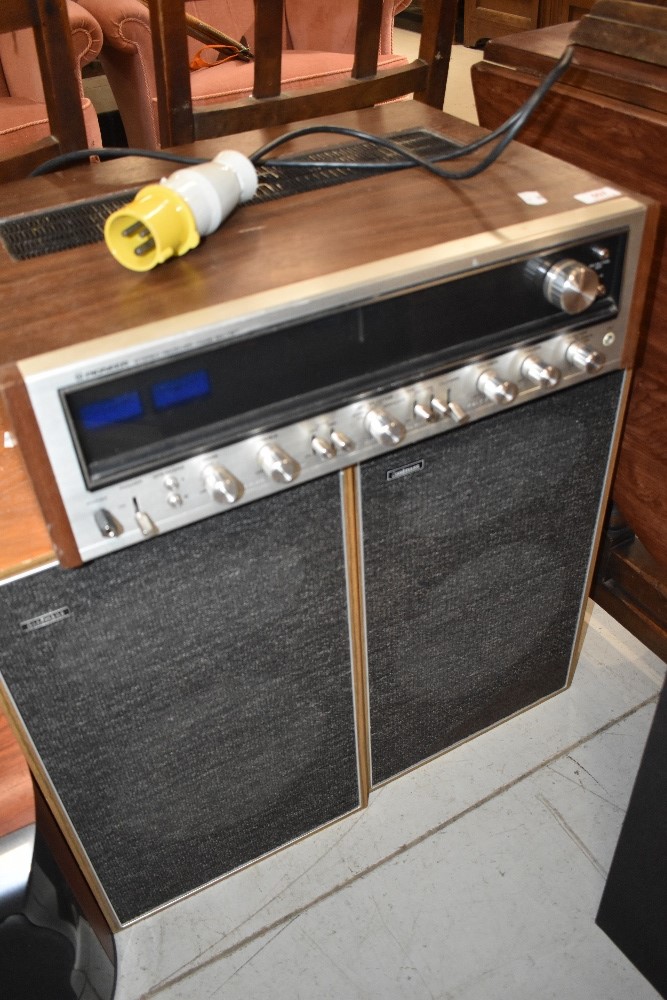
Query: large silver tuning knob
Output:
(386,430)
(585,358)
(571,286)
(277,464)
(495,389)
(220,484)
(546,376)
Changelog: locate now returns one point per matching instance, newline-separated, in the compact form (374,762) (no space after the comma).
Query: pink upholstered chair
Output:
(318,48)
(24,117)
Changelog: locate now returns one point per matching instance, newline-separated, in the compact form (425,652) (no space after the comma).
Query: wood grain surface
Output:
(17,804)
(625,141)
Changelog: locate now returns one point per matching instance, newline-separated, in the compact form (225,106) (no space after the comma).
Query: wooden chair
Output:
(51,26)
(426,77)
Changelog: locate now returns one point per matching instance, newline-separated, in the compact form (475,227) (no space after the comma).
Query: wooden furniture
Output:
(484,19)
(316,39)
(60,77)
(367,85)
(609,114)
(17,807)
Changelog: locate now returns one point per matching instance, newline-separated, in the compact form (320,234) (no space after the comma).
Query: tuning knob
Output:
(571,286)
(221,485)
(384,428)
(495,388)
(585,358)
(546,376)
(277,464)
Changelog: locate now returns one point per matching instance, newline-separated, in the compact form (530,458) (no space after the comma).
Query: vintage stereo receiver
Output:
(157,427)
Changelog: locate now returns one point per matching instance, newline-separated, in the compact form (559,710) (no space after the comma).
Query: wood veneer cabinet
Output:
(609,114)
(493,18)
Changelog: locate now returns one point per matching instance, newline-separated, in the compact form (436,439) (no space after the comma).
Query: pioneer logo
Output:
(48,618)
(407,470)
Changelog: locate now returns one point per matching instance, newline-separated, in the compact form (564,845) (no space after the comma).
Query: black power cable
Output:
(505,133)
(111,153)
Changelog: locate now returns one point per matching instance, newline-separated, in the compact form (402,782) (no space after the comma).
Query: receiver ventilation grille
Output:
(37,234)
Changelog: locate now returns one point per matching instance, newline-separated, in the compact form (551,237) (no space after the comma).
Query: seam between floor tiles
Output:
(409,845)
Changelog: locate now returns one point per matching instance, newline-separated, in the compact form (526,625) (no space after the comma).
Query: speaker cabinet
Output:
(191,699)
(476,549)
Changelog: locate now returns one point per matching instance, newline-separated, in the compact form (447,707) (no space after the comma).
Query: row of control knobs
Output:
(279,466)
(282,468)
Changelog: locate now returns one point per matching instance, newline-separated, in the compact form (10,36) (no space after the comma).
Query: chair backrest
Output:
(53,38)
(426,76)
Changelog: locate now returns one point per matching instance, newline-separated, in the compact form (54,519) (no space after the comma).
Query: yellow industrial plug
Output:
(167,219)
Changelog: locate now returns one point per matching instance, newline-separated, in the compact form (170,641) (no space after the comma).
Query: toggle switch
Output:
(452,410)
(145,522)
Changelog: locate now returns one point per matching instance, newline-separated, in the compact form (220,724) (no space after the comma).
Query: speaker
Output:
(476,550)
(191,699)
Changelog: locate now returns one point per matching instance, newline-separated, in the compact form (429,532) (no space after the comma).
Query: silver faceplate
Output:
(175,495)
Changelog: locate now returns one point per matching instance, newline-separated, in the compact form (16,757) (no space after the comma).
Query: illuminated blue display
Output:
(105,412)
(183,389)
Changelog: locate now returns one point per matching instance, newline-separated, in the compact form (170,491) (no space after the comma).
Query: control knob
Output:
(341,441)
(107,523)
(542,374)
(584,357)
(453,410)
(425,412)
(495,389)
(322,448)
(386,430)
(571,286)
(221,485)
(277,464)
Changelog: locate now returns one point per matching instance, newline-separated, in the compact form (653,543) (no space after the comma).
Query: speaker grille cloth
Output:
(195,709)
(475,568)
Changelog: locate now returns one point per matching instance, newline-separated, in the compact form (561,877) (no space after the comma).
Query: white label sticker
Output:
(600,194)
(532,197)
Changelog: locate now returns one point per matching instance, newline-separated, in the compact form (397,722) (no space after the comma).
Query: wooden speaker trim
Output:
(97,908)
(350,496)
(39,469)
